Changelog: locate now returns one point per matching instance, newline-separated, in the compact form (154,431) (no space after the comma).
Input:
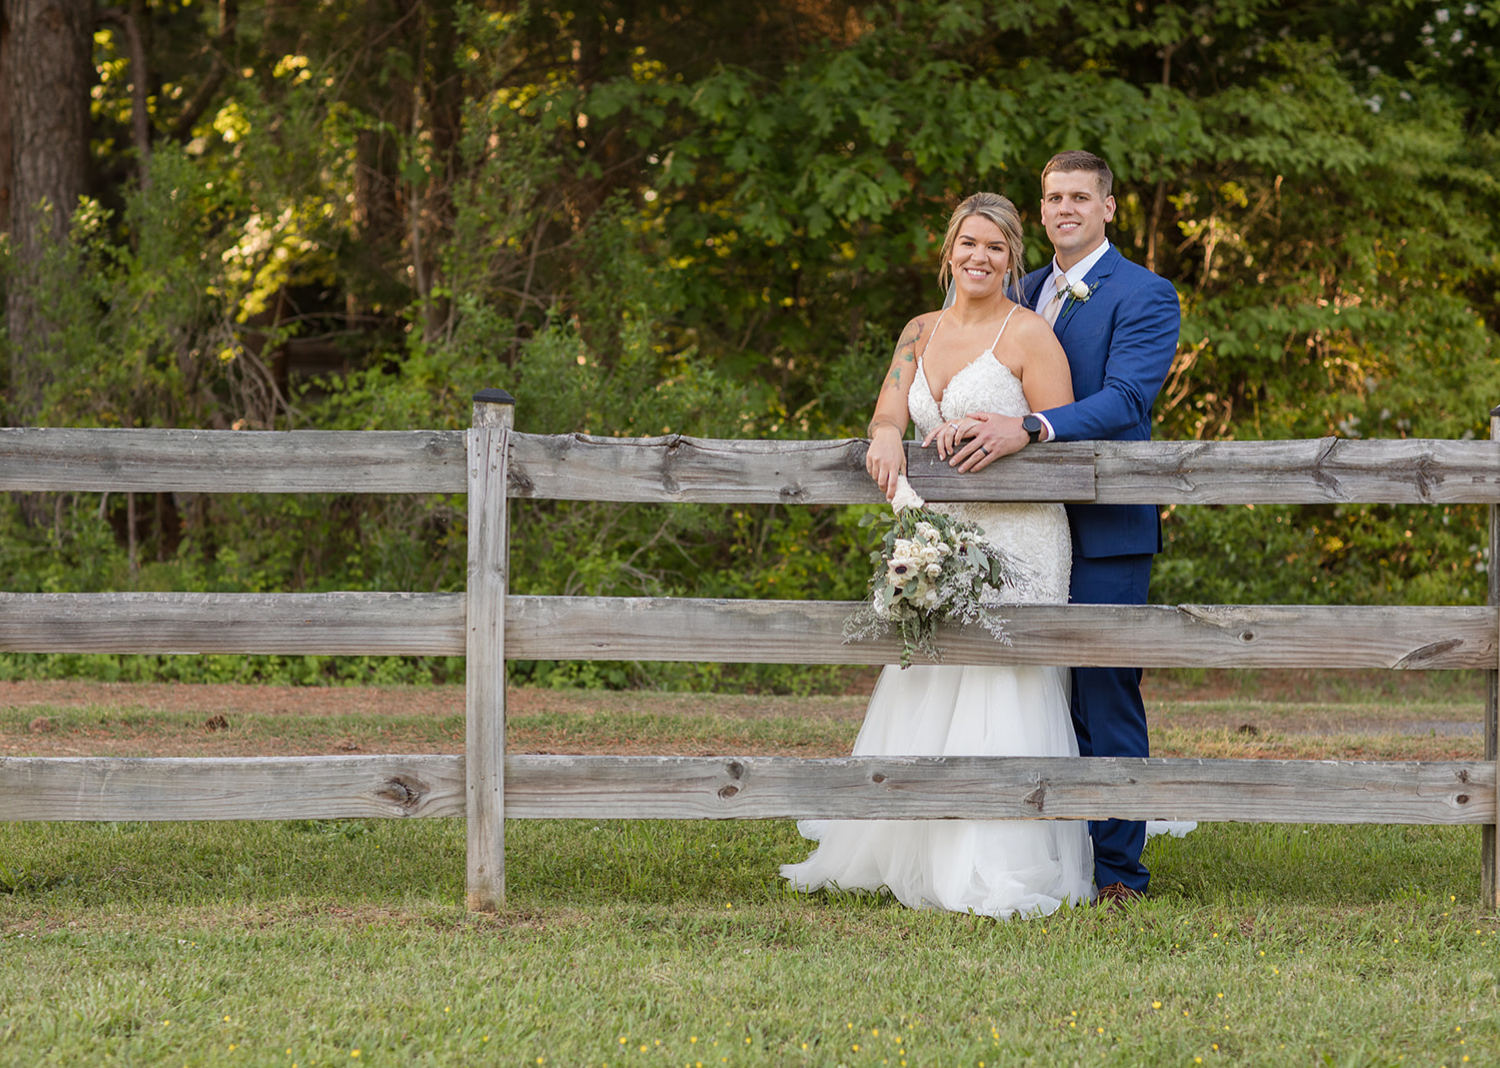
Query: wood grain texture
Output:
(1284,791)
(707,470)
(810,632)
(1306,471)
(736,631)
(679,468)
(237,788)
(329,624)
(1327,470)
(732,787)
(230,461)
(1489,839)
(484,668)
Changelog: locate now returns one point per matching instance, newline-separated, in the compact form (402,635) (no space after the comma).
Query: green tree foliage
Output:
(711,218)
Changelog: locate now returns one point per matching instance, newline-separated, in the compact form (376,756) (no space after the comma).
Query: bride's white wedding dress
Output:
(992,867)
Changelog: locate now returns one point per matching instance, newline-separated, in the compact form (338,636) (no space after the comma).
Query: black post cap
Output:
(493,396)
(1495,412)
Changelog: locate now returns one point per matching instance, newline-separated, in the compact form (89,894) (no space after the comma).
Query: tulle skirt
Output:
(998,868)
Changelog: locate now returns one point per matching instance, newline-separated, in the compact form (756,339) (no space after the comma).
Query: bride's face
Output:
(980,257)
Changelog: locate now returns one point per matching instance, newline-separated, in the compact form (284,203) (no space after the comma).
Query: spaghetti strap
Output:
(933,335)
(991,350)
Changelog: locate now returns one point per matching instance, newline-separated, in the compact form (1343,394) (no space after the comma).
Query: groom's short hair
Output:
(1078,160)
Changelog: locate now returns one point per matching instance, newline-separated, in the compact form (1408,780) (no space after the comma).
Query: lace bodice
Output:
(1035,535)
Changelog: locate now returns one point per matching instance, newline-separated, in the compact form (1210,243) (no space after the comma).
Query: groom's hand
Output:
(993,436)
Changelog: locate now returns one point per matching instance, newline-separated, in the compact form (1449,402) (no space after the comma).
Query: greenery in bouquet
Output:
(929,569)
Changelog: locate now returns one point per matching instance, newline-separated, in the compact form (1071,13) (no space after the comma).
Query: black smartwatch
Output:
(1032,424)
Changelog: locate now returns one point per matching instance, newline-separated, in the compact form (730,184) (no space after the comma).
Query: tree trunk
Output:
(50,71)
(5,137)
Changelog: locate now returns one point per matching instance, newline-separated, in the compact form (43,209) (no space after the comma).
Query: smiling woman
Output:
(992,358)
(982,253)
(985,234)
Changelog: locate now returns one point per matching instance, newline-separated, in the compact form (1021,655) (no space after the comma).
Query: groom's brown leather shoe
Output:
(1117,896)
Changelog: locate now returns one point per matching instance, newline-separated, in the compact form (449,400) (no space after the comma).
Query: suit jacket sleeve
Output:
(1141,346)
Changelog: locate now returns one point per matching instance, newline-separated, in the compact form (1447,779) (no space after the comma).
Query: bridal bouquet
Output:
(930,568)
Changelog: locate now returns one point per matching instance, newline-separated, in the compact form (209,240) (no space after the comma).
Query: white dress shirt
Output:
(1075,273)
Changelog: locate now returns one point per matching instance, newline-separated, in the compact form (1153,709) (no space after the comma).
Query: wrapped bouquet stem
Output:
(929,569)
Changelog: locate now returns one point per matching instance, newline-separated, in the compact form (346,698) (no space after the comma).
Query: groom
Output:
(1118,324)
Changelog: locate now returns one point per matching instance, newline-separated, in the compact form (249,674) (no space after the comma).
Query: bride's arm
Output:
(886,457)
(1045,375)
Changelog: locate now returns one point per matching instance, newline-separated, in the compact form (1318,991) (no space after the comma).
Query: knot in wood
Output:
(877,778)
(734,769)
(1247,635)
(726,792)
(1037,798)
(400,792)
(1462,799)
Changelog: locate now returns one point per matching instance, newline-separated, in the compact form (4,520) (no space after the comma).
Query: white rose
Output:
(934,570)
(928,531)
(906,497)
(1079,290)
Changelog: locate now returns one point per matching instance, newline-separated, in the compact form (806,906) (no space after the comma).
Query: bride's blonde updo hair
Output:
(1000,211)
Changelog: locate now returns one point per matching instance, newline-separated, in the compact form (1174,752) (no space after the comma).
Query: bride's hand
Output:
(948,435)
(885,459)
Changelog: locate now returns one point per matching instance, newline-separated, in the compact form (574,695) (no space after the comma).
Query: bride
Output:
(985,354)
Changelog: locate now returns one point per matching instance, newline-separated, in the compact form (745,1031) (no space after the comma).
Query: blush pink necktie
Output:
(1053,307)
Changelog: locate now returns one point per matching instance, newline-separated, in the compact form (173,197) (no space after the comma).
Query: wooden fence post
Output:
(484,665)
(1489,856)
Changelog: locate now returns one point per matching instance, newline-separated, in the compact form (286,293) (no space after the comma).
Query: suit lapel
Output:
(1096,277)
(1036,290)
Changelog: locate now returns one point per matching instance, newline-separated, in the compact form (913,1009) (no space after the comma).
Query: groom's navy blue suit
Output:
(1120,344)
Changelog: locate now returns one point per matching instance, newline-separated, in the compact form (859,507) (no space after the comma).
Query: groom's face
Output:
(1074,213)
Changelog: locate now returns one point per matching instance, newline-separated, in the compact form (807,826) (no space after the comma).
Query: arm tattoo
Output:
(906,352)
(906,348)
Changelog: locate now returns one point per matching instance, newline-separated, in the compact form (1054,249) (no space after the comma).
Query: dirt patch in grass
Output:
(1431,715)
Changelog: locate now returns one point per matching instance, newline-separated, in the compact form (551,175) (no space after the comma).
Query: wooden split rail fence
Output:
(492,464)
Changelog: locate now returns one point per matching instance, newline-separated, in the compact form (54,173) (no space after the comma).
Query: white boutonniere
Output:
(1078,293)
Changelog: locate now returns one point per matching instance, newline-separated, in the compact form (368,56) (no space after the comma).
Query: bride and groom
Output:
(1075,351)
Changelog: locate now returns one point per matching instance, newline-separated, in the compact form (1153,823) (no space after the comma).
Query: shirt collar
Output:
(1079,270)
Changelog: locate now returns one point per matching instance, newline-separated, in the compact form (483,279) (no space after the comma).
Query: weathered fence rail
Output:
(745,632)
(487,625)
(658,787)
(680,469)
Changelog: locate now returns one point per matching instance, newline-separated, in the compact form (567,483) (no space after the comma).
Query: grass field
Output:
(646,943)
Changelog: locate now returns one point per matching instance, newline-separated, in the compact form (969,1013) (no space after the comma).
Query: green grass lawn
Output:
(655,943)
